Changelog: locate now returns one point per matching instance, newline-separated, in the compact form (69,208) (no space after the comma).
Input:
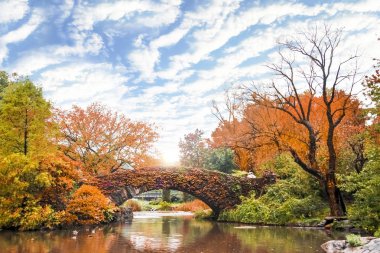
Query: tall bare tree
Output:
(311,68)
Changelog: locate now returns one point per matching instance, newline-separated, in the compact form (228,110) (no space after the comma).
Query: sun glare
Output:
(170,158)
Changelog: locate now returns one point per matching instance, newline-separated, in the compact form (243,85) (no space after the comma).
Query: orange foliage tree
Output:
(102,141)
(310,123)
(63,174)
(88,205)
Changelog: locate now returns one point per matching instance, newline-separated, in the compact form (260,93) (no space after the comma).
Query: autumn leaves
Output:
(47,153)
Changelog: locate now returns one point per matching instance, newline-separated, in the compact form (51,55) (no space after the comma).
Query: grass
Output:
(134,204)
(354,240)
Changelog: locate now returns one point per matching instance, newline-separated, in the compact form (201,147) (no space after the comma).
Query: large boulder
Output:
(369,245)
(124,214)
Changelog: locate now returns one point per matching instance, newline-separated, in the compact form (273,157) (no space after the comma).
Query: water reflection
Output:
(167,234)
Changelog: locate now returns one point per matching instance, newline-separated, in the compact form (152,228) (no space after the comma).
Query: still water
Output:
(167,232)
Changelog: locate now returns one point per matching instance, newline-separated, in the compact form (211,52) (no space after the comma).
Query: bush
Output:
(377,233)
(203,214)
(250,211)
(155,202)
(193,206)
(164,206)
(354,240)
(365,210)
(133,204)
(88,205)
(220,159)
(295,198)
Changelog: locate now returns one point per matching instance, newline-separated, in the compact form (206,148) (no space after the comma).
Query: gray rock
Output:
(124,214)
(370,245)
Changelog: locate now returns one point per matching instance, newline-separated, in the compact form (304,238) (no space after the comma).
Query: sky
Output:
(164,62)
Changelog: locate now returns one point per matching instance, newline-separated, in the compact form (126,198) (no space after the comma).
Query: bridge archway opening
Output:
(178,197)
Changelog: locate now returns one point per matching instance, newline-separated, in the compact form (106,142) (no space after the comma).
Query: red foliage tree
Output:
(102,141)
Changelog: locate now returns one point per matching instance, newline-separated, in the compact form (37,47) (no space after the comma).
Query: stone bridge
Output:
(218,190)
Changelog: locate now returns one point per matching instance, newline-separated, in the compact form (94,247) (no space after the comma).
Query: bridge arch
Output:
(219,191)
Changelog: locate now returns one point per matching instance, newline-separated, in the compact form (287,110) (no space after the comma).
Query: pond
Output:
(167,232)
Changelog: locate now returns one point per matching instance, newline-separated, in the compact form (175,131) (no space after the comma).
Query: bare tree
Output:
(311,67)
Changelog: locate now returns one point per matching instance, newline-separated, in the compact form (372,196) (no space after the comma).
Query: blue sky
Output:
(164,61)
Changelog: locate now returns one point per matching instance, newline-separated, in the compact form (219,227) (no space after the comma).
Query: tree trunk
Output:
(187,197)
(26,133)
(166,195)
(334,197)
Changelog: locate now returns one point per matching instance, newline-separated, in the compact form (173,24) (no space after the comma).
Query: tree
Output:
(88,206)
(193,149)
(323,76)
(24,118)
(192,152)
(102,141)
(372,84)
(308,110)
(4,81)
(35,181)
(220,159)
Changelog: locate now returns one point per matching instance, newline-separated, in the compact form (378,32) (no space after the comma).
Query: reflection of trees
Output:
(169,234)
(278,239)
(216,240)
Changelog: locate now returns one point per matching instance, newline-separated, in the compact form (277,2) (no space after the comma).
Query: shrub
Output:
(133,204)
(203,214)
(354,240)
(37,217)
(155,202)
(365,186)
(88,205)
(293,199)
(377,233)
(164,206)
(193,206)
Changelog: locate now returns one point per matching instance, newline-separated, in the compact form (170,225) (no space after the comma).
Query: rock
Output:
(124,214)
(342,225)
(370,245)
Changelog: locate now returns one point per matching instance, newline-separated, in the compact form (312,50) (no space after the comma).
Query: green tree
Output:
(365,187)
(30,171)
(220,159)
(24,118)
(4,81)
(193,149)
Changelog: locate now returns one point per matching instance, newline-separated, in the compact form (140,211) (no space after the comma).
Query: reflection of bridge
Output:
(218,190)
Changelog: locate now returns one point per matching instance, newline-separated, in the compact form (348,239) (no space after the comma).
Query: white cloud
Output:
(84,83)
(156,14)
(33,61)
(215,36)
(20,33)
(143,60)
(64,11)
(13,10)
(204,16)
